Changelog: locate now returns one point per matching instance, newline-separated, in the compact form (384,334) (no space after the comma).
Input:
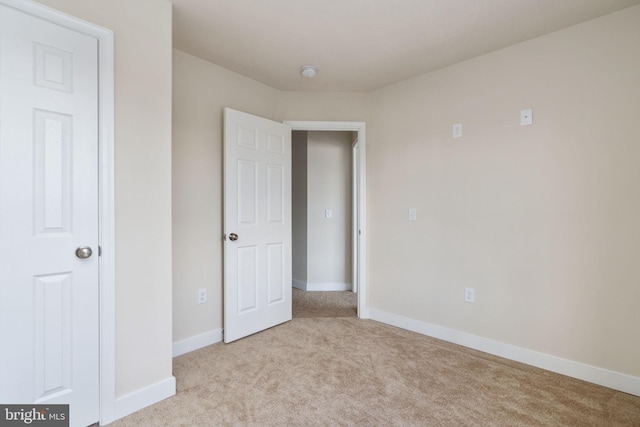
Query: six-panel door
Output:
(257,208)
(48,208)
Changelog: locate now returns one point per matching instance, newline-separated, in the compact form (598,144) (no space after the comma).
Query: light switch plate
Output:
(469,295)
(328,213)
(457,130)
(413,214)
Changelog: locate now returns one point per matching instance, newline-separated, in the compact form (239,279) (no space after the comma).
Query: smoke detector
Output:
(309,71)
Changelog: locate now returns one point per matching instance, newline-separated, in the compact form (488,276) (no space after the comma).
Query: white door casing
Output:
(49,206)
(257,209)
(355,215)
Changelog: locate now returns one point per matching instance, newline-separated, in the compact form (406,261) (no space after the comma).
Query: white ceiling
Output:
(361,45)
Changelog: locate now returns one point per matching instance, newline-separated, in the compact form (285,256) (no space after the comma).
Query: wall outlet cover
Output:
(526,117)
(202,296)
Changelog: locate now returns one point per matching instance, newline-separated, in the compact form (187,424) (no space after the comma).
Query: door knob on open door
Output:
(233,237)
(83,252)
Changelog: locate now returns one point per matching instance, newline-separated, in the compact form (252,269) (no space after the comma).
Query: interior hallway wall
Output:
(299,208)
(321,181)
(329,187)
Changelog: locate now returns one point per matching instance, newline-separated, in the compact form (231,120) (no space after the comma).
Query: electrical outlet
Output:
(469,295)
(526,117)
(202,296)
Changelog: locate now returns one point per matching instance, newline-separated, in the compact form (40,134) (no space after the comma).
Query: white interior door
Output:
(257,224)
(48,208)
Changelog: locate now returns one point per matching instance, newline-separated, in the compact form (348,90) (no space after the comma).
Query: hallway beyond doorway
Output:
(324,303)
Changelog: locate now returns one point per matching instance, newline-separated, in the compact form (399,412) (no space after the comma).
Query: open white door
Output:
(257,224)
(49,268)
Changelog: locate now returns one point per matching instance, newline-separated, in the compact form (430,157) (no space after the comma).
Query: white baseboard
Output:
(299,284)
(133,402)
(593,374)
(328,286)
(196,342)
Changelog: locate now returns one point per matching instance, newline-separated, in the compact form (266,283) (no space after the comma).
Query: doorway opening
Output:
(329,224)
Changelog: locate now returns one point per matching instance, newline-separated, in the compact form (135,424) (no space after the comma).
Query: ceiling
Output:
(362,45)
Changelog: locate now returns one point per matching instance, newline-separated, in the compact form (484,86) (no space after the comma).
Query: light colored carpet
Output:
(347,371)
(324,304)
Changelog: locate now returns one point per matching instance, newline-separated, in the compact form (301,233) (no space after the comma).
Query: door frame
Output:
(355,209)
(361,178)
(106,192)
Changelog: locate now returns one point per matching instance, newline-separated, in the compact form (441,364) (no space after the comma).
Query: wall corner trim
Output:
(139,399)
(196,342)
(600,376)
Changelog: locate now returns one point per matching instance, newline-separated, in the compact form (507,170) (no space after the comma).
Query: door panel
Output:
(247,192)
(52,204)
(247,278)
(275,194)
(275,273)
(48,208)
(257,208)
(53,345)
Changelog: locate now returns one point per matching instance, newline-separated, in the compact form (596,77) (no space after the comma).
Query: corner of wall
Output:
(140,399)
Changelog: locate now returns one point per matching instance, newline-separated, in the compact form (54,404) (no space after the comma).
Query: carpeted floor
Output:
(324,304)
(346,371)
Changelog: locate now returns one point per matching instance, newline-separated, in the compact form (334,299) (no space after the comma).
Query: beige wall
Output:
(201,90)
(143,183)
(299,206)
(541,220)
(346,106)
(329,187)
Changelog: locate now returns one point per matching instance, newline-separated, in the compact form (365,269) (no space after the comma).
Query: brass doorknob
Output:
(233,237)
